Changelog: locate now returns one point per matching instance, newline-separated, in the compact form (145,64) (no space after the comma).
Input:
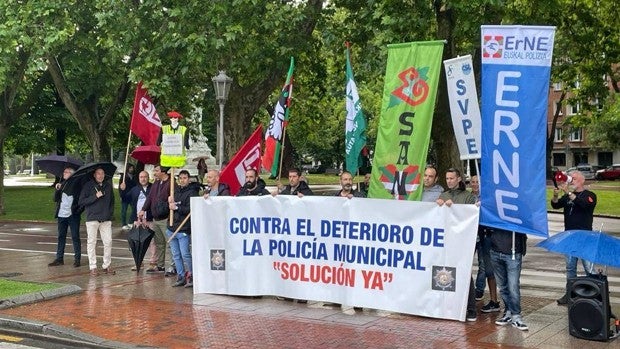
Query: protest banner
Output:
(357,252)
(516,64)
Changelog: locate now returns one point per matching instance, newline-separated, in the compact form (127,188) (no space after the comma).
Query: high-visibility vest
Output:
(173,160)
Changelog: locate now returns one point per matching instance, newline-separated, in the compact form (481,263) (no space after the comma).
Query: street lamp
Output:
(221,84)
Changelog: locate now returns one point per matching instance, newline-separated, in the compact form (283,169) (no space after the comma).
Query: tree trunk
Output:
(442,132)
(86,112)
(244,102)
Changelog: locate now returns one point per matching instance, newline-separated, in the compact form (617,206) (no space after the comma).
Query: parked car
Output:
(611,173)
(586,169)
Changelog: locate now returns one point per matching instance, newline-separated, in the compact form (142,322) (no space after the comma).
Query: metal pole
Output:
(220,141)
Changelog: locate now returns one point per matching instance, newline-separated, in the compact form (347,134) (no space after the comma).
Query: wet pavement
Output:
(141,309)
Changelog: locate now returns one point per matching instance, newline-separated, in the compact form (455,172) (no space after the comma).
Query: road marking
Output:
(4,337)
(54,253)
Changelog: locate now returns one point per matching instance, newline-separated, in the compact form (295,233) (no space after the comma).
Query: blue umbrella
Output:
(593,246)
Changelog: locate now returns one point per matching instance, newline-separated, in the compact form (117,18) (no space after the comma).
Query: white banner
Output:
(464,105)
(402,256)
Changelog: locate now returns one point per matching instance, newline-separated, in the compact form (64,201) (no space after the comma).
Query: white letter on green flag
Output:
(355,127)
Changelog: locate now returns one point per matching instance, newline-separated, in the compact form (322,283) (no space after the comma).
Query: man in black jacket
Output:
(180,243)
(295,185)
(98,200)
(578,206)
(254,186)
(68,217)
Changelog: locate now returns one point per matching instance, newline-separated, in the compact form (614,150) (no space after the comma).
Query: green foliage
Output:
(604,130)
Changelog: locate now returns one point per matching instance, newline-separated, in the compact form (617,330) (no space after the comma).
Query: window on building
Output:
(558,109)
(605,158)
(573,109)
(559,159)
(576,135)
(580,158)
(557,137)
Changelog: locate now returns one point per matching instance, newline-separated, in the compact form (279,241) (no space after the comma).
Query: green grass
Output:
(607,201)
(10,288)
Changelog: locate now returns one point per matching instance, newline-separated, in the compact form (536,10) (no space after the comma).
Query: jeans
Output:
(124,209)
(480,277)
(181,252)
(64,223)
(507,275)
(571,266)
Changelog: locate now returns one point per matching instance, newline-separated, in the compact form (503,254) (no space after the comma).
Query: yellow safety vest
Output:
(173,160)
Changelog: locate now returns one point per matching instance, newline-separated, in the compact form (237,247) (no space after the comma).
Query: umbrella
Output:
(56,164)
(139,238)
(147,154)
(594,246)
(85,173)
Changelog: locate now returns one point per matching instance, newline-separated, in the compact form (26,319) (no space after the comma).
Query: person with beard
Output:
(98,200)
(179,204)
(68,218)
(254,186)
(346,182)
(295,185)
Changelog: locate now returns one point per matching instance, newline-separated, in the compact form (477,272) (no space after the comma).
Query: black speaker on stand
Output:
(588,307)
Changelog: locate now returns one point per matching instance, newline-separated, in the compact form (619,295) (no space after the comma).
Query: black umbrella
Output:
(56,164)
(85,173)
(139,238)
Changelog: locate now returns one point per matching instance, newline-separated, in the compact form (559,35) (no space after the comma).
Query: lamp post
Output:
(221,85)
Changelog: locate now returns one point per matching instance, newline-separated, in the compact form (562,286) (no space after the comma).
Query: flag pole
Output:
(126,154)
(171,215)
(179,227)
(281,154)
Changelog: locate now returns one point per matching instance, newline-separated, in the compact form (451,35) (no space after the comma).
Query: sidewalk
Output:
(137,309)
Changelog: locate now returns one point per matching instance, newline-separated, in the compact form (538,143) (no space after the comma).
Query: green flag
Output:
(409,93)
(355,126)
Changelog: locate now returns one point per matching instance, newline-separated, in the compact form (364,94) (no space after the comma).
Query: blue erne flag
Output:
(516,64)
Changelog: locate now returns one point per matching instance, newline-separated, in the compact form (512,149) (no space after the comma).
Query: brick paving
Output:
(144,310)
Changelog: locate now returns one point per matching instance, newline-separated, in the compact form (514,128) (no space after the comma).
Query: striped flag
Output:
(274,137)
(355,126)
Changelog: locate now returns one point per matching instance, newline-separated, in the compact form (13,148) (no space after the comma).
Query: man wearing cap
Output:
(174,140)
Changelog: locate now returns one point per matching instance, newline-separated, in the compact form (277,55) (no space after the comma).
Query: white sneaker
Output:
(504,320)
(126,227)
(518,323)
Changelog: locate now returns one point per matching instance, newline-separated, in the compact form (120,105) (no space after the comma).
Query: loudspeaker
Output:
(588,307)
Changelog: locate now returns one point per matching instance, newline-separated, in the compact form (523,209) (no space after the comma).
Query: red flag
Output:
(275,132)
(145,122)
(247,157)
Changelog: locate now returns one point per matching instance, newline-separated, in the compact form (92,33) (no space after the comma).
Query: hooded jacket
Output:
(258,191)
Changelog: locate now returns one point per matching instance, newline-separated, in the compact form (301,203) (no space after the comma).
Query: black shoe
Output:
(479,295)
(563,300)
(170,272)
(471,315)
(179,283)
(76,264)
(56,263)
(155,270)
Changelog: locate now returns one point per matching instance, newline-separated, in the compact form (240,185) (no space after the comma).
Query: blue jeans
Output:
(72,222)
(571,266)
(507,275)
(481,276)
(124,209)
(485,267)
(181,253)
